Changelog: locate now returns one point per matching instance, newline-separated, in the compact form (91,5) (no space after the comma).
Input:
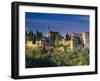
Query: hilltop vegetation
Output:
(40,57)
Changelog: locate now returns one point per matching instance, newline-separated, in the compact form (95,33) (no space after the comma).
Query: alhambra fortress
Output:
(72,40)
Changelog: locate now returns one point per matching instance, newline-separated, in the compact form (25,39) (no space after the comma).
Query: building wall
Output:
(85,38)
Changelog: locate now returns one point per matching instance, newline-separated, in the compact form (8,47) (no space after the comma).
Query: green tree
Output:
(34,39)
(30,35)
(57,41)
(38,35)
(67,37)
(53,36)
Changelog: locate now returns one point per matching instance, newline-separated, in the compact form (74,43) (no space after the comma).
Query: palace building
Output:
(72,40)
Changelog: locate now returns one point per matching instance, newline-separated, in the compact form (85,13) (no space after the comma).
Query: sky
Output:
(62,23)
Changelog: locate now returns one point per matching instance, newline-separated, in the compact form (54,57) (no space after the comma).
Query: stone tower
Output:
(72,41)
(48,31)
(85,38)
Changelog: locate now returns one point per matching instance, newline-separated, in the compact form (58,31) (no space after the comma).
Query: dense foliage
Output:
(52,56)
